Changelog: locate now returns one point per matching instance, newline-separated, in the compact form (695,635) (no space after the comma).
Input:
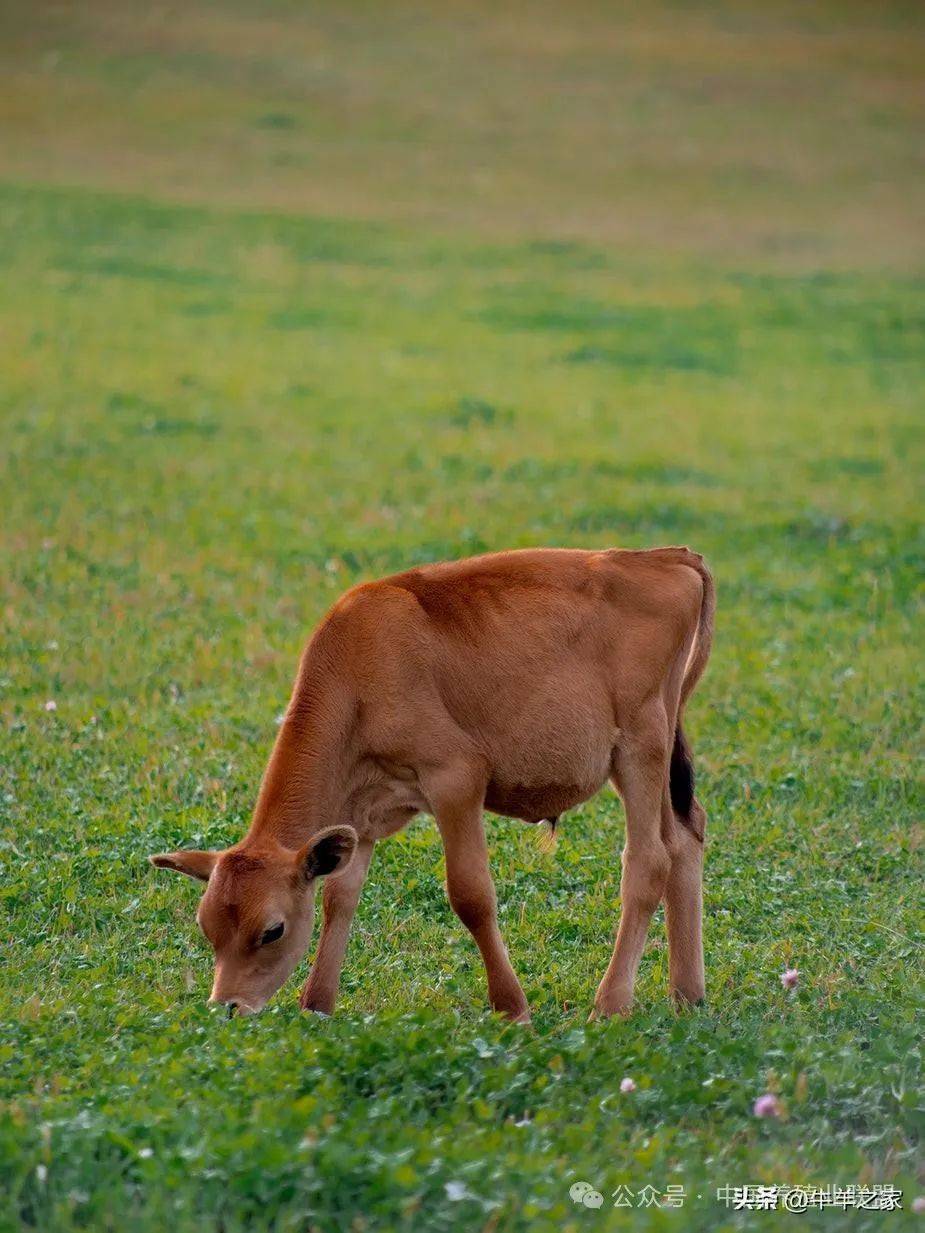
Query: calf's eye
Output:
(273,934)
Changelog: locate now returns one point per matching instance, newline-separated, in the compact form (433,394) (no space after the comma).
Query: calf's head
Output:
(258,909)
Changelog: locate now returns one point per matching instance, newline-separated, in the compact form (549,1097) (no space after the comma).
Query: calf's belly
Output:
(548,736)
(536,780)
(534,802)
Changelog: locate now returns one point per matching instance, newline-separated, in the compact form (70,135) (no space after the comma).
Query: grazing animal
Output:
(517,682)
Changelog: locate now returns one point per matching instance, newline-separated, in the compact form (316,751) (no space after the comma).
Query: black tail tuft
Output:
(681,776)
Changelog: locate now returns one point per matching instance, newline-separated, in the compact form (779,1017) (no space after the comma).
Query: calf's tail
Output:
(681,776)
(681,769)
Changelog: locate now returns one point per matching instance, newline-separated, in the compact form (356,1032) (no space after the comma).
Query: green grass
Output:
(214,420)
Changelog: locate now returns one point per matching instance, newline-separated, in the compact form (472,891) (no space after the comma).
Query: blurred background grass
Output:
(783,133)
(296,297)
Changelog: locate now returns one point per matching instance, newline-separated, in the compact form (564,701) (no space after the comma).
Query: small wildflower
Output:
(790,978)
(51,705)
(146,1153)
(918,1205)
(41,1172)
(456,1191)
(767,1106)
(627,1085)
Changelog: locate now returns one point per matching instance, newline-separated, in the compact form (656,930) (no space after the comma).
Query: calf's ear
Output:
(328,852)
(193,864)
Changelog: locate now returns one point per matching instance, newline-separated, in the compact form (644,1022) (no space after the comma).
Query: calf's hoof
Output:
(610,1003)
(688,999)
(317,1004)
(515,1012)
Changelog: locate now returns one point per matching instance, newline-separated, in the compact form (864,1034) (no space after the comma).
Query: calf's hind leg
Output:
(684,905)
(640,772)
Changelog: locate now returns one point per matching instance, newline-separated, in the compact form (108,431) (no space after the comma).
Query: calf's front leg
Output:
(340,898)
(458,810)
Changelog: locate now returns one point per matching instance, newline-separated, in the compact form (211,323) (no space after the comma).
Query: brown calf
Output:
(518,682)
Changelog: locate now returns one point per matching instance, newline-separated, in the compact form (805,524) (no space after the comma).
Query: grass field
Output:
(266,331)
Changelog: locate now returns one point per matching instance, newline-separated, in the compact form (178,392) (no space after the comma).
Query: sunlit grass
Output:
(215,424)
